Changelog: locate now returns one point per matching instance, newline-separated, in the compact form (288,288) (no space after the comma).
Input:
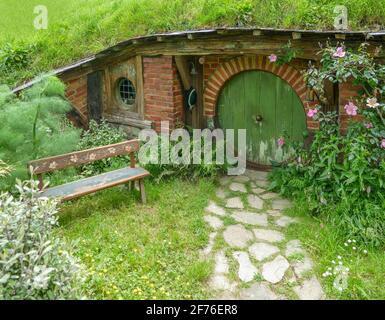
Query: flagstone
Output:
(261,251)
(237,236)
(258,291)
(238,187)
(234,203)
(310,290)
(214,208)
(275,270)
(280,204)
(255,202)
(255,219)
(214,222)
(246,271)
(268,235)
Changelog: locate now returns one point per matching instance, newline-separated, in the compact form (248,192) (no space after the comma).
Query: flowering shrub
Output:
(342,175)
(33,264)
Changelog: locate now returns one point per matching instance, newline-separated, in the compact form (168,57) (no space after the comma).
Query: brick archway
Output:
(228,69)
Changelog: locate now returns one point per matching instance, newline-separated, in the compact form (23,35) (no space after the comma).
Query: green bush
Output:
(102,134)
(34,264)
(34,126)
(185,171)
(342,176)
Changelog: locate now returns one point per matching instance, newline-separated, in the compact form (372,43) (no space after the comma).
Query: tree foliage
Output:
(34,125)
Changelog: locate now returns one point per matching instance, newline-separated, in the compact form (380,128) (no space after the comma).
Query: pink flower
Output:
(383,143)
(340,53)
(351,109)
(281,142)
(312,112)
(273,58)
(372,103)
(368,125)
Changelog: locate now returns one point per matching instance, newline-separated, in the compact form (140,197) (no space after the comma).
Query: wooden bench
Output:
(89,185)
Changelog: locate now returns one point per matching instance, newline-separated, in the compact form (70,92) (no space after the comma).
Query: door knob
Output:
(258,118)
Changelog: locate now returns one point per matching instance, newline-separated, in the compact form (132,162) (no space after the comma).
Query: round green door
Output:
(267,107)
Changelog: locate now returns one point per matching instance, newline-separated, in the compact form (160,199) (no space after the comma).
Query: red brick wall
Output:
(76,93)
(163,97)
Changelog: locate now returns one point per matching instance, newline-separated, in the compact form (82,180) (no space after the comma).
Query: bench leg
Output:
(142,191)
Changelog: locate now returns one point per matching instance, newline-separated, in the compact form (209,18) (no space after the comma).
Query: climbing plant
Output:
(342,174)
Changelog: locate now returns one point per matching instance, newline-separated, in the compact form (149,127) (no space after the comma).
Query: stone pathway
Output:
(252,257)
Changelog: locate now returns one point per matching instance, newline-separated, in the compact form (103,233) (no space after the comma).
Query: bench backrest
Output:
(83,157)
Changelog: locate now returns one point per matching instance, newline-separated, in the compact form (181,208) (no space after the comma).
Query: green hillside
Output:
(78,28)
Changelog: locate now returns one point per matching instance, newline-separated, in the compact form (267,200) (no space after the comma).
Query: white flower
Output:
(339,257)
(372,103)
(354,241)
(333,262)
(340,263)
(345,244)
(354,248)
(349,241)
(347,269)
(329,268)
(366,251)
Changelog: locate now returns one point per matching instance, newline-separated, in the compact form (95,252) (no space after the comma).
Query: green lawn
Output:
(366,276)
(80,27)
(133,251)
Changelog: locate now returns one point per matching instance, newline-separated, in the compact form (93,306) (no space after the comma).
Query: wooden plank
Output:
(82,157)
(95,95)
(184,71)
(89,185)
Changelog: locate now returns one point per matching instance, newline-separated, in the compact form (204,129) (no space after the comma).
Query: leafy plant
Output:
(34,264)
(187,169)
(34,126)
(102,134)
(342,175)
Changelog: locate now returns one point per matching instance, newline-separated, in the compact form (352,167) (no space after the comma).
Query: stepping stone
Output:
(206,251)
(246,271)
(220,193)
(258,291)
(237,187)
(294,247)
(310,290)
(280,204)
(274,271)
(226,295)
(255,202)
(221,263)
(269,195)
(220,282)
(261,251)
(234,203)
(263,183)
(284,221)
(225,180)
(256,175)
(268,235)
(274,213)
(241,179)
(255,219)
(214,222)
(237,236)
(258,190)
(214,208)
(302,267)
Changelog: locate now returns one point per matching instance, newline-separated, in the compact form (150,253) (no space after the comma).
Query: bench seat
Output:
(89,185)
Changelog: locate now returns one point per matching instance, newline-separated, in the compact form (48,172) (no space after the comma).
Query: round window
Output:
(126,92)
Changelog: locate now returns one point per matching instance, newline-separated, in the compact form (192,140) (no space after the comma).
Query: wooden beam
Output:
(340,36)
(257,33)
(184,71)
